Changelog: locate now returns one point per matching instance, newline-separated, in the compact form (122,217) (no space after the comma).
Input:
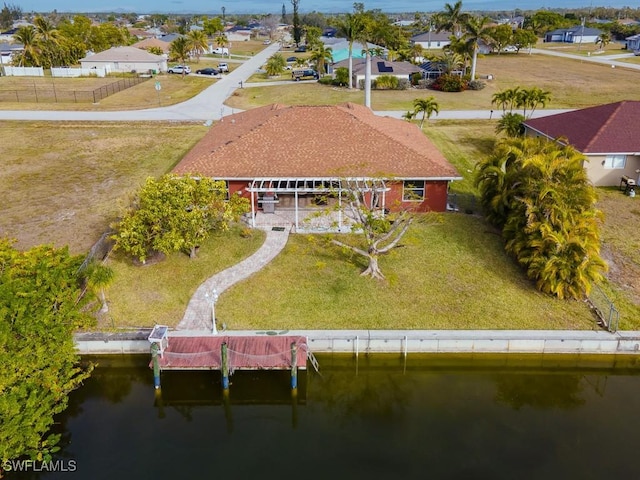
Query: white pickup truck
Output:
(220,51)
(223,67)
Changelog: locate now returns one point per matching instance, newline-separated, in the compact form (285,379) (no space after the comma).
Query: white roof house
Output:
(126,59)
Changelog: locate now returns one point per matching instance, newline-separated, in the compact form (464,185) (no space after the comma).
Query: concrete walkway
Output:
(199,312)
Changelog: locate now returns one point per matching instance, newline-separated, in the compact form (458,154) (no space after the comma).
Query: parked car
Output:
(291,59)
(301,48)
(510,48)
(180,69)
(304,73)
(267,42)
(223,67)
(636,52)
(220,51)
(208,71)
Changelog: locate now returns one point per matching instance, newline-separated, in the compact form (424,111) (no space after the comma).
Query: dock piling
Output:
(225,366)
(156,365)
(294,366)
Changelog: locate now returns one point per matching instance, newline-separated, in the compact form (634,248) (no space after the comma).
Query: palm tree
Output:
(427,106)
(30,55)
(198,42)
(603,40)
(222,41)
(511,124)
(49,39)
(179,50)
(275,65)
(99,277)
(321,55)
(451,19)
(501,100)
(533,98)
(476,31)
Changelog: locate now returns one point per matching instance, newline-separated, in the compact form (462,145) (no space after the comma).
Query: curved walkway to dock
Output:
(199,312)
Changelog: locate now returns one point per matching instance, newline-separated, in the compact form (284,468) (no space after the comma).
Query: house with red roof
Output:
(295,157)
(608,135)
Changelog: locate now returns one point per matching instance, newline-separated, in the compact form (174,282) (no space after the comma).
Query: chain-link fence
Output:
(49,93)
(604,309)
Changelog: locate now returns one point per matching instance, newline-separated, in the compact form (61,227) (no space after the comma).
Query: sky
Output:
(214,7)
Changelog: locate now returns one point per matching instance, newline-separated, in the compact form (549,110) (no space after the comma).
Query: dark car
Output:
(291,59)
(208,71)
(301,48)
(304,73)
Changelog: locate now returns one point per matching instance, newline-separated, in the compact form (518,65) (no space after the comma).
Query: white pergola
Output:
(318,185)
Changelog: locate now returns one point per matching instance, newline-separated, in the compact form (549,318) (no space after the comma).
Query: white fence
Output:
(81,72)
(24,71)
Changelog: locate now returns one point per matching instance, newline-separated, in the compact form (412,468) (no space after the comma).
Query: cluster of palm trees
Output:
(47,45)
(510,98)
(427,106)
(538,193)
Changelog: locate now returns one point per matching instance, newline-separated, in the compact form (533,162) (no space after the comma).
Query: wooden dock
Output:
(244,353)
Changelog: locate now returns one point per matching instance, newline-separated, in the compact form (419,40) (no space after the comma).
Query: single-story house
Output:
(633,42)
(126,59)
(320,147)
(8,50)
(608,135)
(577,34)
(379,66)
(430,40)
(238,34)
(153,42)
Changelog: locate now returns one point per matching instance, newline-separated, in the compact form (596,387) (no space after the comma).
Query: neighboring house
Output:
(140,34)
(577,34)
(170,37)
(153,42)
(608,135)
(7,50)
(126,59)
(238,34)
(431,40)
(379,66)
(633,42)
(322,145)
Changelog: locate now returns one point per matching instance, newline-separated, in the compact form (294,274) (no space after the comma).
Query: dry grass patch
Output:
(62,182)
(174,89)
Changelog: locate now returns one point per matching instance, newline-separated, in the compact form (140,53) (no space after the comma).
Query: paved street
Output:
(209,104)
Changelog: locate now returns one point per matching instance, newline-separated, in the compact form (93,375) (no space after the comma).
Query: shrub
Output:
(415,78)
(476,85)
(385,82)
(327,81)
(342,76)
(449,83)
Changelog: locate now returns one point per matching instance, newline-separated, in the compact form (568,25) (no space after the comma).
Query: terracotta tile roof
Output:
(152,42)
(315,141)
(610,128)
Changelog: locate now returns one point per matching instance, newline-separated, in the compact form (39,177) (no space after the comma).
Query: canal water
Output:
(380,417)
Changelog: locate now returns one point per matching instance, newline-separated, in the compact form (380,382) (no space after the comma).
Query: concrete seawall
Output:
(401,341)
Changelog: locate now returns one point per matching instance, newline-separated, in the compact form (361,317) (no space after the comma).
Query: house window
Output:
(615,161)
(413,190)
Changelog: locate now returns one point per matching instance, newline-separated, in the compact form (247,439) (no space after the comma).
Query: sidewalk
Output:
(199,311)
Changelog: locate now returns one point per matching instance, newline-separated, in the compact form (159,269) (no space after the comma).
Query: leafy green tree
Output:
(523,38)
(176,214)
(8,14)
(427,106)
(342,76)
(41,303)
(312,37)
(297,29)
(538,192)
(321,55)
(213,26)
(154,50)
(275,65)
(501,36)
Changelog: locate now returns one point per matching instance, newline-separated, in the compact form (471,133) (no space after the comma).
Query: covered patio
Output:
(310,205)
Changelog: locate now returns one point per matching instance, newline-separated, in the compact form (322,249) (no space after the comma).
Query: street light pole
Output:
(212,297)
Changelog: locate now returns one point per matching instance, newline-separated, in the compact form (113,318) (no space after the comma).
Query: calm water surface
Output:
(429,417)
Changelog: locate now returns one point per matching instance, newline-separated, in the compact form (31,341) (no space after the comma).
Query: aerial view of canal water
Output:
(383,416)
